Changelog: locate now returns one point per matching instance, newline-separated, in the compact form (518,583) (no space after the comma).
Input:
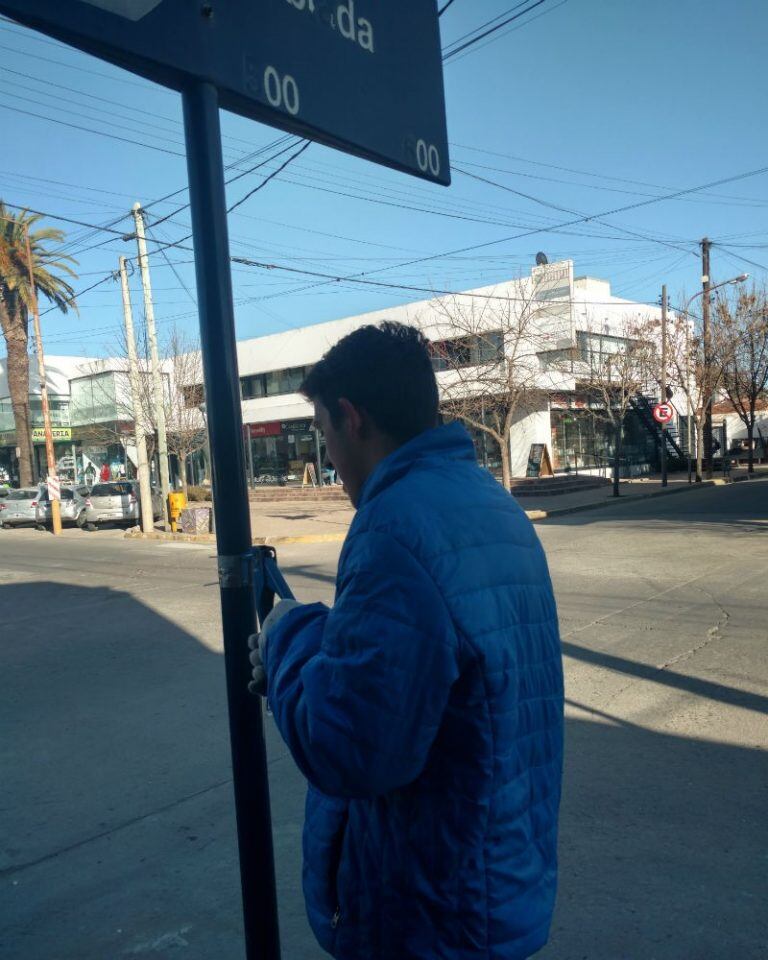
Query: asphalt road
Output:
(117,828)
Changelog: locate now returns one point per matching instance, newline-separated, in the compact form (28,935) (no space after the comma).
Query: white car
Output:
(117,501)
(19,507)
(72,507)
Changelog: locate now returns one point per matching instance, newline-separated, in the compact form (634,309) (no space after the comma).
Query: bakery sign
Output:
(59,434)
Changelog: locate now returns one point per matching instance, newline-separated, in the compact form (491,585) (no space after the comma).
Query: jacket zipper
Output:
(335,918)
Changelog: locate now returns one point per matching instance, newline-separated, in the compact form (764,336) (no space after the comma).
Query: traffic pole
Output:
(145,490)
(706,385)
(158,391)
(54,492)
(233,526)
(664,382)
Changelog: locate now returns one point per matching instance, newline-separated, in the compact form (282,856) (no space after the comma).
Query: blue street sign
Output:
(362,76)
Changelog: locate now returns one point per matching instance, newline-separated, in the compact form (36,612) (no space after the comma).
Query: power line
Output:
(239,176)
(305,146)
(506,33)
(100,133)
(739,256)
(447,51)
(583,173)
(549,229)
(555,206)
(164,255)
(178,244)
(53,216)
(454,50)
(444,8)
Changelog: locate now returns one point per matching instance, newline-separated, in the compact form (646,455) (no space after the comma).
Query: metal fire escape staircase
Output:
(643,406)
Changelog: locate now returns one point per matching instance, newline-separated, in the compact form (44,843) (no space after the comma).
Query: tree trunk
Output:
(506,468)
(16,341)
(617,459)
(699,452)
(750,449)
(183,472)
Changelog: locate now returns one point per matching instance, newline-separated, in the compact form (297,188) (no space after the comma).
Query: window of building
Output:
(272,384)
(594,348)
(469,351)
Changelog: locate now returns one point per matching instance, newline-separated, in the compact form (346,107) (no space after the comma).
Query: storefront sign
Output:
(279,428)
(265,429)
(59,434)
(296,426)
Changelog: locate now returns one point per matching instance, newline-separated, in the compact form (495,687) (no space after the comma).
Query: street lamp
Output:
(705,400)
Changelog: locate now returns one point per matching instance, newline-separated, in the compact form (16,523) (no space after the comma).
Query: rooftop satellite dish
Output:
(541,260)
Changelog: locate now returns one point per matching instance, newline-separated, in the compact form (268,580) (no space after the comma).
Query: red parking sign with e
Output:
(663,412)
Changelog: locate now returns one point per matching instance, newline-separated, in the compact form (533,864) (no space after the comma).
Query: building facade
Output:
(92,419)
(560,322)
(553,328)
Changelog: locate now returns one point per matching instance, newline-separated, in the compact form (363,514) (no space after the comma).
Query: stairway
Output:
(643,406)
(552,486)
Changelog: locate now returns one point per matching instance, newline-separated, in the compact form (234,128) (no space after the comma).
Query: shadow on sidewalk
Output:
(739,505)
(117,806)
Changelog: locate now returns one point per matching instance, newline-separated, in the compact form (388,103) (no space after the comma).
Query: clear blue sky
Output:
(588,105)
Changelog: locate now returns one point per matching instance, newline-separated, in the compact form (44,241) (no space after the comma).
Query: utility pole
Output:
(706,380)
(664,382)
(54,491)
(157,379)
(145,491)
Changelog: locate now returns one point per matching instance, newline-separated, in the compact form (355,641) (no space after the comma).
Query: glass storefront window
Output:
(281,453)
(580,440)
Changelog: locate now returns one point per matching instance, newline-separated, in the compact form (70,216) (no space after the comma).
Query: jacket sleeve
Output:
(359,691)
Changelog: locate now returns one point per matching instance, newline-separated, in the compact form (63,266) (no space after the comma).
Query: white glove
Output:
(257,643)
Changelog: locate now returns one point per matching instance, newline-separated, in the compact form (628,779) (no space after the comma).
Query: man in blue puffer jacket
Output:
(425,707)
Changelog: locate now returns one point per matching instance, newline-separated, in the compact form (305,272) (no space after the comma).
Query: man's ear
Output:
(354,420)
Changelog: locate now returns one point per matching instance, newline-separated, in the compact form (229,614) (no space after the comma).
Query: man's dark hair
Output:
(386,370)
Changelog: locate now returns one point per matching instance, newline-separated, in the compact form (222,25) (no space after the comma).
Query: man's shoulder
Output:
(433,512)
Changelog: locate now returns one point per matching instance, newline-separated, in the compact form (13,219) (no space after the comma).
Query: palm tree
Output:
(16,305)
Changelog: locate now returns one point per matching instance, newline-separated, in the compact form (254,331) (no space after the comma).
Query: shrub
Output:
(198,494)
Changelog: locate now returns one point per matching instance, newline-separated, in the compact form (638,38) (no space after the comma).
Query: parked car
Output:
(19,507)
(72,507)
(117,501)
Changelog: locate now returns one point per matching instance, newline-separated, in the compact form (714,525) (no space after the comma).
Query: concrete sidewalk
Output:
(309,521)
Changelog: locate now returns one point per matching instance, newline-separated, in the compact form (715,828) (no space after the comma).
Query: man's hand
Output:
(257,643)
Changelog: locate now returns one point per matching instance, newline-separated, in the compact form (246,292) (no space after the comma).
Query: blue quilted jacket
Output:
(426,711)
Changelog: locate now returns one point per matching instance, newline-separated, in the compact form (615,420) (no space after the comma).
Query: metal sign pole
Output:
(233,528)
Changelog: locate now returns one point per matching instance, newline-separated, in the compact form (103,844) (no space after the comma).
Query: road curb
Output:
(165,536)
(535,515)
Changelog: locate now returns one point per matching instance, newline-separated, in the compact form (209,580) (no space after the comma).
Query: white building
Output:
(573,318)
(567,322)
(92,417)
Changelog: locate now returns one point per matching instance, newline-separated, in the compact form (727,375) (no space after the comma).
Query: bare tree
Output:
(490,357)
(741,338)
(183,415)
(182,384)
(699,381)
